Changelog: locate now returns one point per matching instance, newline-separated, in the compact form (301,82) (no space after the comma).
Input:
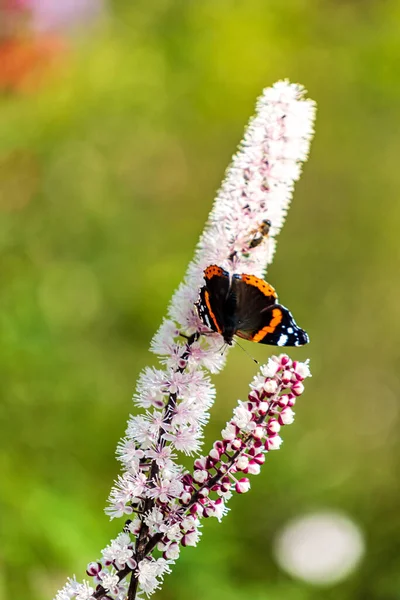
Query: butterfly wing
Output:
(276,327)
(253,296)
(213,295)
(258,316)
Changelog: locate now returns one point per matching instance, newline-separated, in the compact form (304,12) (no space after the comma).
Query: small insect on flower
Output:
(246,306)
(260,233)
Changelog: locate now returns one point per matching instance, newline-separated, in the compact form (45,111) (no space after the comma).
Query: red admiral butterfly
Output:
(246,306)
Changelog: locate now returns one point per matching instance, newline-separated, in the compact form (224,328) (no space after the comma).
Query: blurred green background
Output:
(113,140)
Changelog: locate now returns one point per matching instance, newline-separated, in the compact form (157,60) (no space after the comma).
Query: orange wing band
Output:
(260,284)
(212,271)
(210,312)
(273,324)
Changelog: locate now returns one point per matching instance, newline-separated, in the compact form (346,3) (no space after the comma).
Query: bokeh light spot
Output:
(321,548)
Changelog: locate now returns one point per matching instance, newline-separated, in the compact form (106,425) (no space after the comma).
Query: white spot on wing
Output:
(282,340)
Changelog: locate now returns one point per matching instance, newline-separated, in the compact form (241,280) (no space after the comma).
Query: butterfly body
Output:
(246,306)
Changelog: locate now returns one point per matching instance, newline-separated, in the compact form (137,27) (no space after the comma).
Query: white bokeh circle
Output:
(320,548)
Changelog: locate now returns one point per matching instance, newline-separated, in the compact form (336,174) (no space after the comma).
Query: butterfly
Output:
(246,306)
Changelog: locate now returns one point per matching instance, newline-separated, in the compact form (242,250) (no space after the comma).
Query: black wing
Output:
(253,296)
(211,306)
(276,327)
(258,316)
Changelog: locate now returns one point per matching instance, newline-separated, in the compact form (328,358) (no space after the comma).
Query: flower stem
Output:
(142,539)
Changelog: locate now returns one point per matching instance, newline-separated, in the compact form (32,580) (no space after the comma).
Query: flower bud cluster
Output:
(252,432)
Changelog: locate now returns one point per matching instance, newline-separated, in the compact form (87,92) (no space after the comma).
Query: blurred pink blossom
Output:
(50,15)
(53,15)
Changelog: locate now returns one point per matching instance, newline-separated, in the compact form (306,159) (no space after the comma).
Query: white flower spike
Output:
(167,503)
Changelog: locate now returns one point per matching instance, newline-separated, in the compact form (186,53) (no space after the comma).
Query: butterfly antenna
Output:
(223,348)
(245,351)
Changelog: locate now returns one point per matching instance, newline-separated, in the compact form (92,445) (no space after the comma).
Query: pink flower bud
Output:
(196,509)
(158,402)
(93,569)
(172,552)
(273,443)
(273,426)
(283,400)
(200,463)
(254,396)
(271,368)
(236,444)
(214,454)
(209,511)
(286,377)
(284,360)
(187,524)
(258,432)
(219,446)
(259,458)
(286,417)
(200,476)
(219,508)
(242,463)
(253,468)
(190,538)
(270,387)
(187,479)
(292,400)
(298,388)
(302,370)
(263,408)
(185,497)
(242,486)
(131,563)
(210,462)
(230,431)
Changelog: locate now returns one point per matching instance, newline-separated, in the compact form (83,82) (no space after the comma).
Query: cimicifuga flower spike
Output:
(166,504)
